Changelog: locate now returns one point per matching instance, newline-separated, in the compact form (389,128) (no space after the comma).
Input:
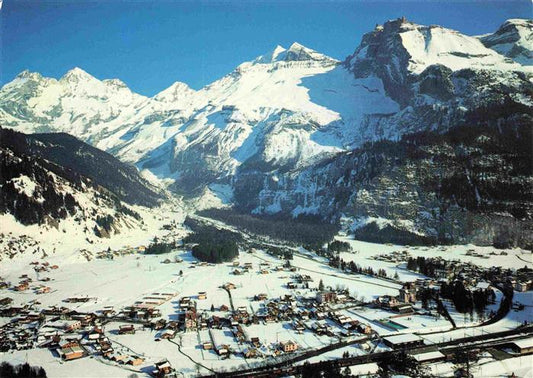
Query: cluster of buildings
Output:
(109,254)
(69,334)
(471,274)
(26,283)
(401,303)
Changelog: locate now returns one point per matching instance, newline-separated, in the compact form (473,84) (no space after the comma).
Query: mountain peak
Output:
(27,74)
(77,74)
(271,56)
(513,40)
(176,92)
(296,52)
(115,83)
(297,46)
(415,47)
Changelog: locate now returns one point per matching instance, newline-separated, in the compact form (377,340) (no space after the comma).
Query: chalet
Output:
(288,346)
(168,334)
(250,353)
(127,329)
(229,286)
(208,345)
(120,358)
(202,295)
(42,290)
(347,322)
(387,301)
(134,360)
(71,351)
(22,286)
(404,308)
(224,308)
(342,298)
(159,324)
(66,325)
(173,325)
(326,297)
(191,321)
(85,319)
(162,368)
(223,349)
(95,334)
(6,301)
(77,299)
(402,341)
(105,347)
(260,297)
(237,272)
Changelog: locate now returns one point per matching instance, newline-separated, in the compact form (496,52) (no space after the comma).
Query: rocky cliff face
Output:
(513,39)
(471,184)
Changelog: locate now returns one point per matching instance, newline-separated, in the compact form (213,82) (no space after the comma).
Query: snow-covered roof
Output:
(524,343)
(400,339)
(428,356)
(482,285)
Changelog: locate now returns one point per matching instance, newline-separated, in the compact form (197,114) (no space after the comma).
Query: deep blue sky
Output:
(149,45)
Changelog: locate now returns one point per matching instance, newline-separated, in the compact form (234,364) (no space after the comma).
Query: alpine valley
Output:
(297,216)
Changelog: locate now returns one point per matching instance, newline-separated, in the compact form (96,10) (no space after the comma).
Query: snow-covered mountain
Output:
(289,110)
(513,39)
(54,179)
(77,103)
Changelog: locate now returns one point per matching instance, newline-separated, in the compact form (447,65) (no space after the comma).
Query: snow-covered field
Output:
(64,242)
(364,252)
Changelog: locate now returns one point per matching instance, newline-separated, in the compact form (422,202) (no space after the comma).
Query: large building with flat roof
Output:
(524,346)
(402,341)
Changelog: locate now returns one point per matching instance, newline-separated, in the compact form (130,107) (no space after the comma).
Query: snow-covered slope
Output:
(285,108)
(424,46)
(514,39)
(57,191)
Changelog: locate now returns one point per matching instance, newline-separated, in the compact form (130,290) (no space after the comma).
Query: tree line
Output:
(21,371)
(212,244)
(304,230)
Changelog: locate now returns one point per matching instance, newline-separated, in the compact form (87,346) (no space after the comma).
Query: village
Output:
(253,311)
